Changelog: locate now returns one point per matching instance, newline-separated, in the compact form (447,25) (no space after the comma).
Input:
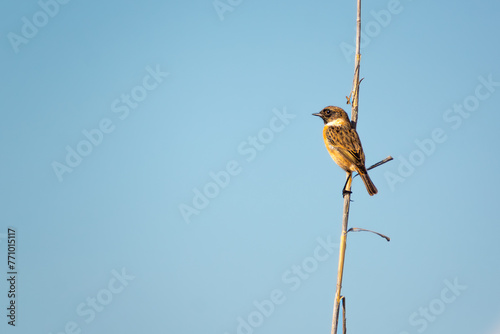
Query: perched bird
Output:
(343,144)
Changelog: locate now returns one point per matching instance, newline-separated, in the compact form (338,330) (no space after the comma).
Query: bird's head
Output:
(334,116)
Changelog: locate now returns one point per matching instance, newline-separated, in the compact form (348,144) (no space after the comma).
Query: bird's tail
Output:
(370,187)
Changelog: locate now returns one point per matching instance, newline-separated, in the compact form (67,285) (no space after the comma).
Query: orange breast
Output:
(340,159)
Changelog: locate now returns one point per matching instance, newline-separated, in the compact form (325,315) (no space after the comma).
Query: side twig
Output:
(358,229)
(344,326)
(389,158)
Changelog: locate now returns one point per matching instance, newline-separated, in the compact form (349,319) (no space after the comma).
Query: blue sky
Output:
(163,172)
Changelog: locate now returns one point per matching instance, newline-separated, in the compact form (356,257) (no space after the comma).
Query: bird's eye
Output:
(327,111)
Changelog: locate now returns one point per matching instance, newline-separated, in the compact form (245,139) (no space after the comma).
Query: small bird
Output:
(343,144)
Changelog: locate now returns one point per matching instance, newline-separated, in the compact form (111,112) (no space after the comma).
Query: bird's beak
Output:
(318,114)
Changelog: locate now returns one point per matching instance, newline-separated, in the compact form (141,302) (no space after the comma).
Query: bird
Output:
(343,144)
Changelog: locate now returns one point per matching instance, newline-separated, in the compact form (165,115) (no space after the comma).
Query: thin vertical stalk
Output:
(347,196)
(343,244)
(357,61)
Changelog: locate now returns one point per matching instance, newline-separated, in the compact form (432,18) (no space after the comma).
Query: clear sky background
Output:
(163,172)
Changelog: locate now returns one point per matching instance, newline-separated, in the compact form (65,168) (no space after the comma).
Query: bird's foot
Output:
(345,192)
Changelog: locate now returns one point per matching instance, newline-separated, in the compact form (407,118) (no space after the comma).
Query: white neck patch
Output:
(337,122)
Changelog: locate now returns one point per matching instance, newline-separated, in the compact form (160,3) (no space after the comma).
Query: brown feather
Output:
(343,144)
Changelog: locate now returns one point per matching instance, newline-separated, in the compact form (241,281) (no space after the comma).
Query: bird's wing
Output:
(347,142)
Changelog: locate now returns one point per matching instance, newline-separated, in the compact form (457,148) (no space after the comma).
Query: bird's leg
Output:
(347,182)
